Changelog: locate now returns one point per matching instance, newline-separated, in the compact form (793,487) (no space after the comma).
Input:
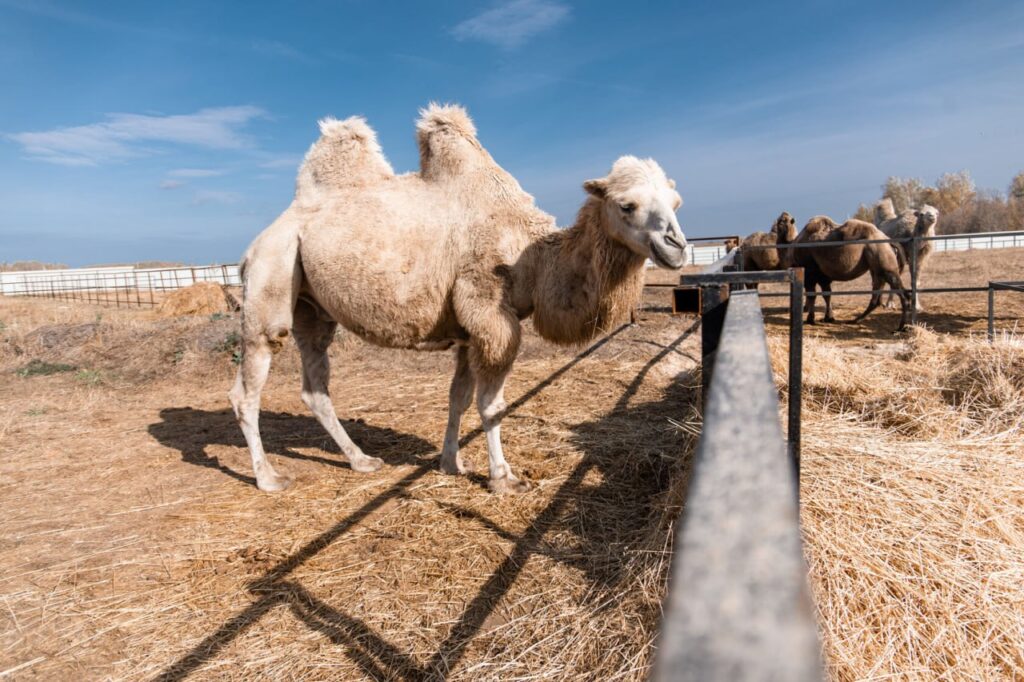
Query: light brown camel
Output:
(766,256)
(455,255)
(843,262)
(920,222)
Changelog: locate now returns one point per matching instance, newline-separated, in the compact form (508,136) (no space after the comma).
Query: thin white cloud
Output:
(122,136)
(510,24)
(275,48)
(291,161)
(171,184)
(195,172)
(212,196)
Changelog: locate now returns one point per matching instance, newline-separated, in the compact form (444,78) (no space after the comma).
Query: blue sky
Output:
(137,130)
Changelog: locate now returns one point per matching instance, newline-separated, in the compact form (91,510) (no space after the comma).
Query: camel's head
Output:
(784,228)
(640,204)
(927,216)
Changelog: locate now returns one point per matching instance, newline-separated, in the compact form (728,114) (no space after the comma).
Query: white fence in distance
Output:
(56,282)
(707,254)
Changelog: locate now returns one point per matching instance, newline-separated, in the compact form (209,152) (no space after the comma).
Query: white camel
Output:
(453,256)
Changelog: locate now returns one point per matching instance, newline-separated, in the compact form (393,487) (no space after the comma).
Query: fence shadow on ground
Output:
(378,658)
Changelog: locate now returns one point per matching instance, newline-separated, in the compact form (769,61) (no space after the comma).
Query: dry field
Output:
(134,545)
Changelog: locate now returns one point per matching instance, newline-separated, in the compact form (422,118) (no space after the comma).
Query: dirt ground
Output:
(133,543)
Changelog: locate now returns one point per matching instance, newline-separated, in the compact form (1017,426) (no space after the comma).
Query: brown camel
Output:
(453,256)
(843,262)
(758,248)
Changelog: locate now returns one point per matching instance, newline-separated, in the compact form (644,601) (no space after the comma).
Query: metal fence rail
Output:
(739,605)
(1006,239)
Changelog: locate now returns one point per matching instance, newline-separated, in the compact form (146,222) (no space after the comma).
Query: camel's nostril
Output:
(674,242)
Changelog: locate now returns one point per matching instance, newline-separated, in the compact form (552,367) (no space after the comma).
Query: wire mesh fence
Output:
(115,286)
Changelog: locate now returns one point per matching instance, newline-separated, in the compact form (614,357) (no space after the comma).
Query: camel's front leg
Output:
(459,397)
(490,400)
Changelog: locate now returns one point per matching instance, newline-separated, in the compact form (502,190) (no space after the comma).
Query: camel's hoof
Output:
(275,483)
(455,466)
(366,464)
(830,320)
(508,485)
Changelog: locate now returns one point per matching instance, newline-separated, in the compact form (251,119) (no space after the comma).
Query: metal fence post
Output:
(796,361)
(991,313)
(913,279)
(714,301)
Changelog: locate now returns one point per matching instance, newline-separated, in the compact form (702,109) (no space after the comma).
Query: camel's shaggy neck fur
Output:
(585,282)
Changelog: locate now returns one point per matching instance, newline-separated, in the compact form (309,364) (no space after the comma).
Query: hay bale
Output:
(202,298)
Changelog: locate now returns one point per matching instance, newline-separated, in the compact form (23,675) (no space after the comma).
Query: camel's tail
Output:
(901,257)
(447,141)
(346,155)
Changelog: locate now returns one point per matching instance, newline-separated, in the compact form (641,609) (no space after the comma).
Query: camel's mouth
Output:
(671,258)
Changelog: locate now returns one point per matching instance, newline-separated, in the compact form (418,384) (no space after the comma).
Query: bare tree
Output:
(904,192)
(1016,191)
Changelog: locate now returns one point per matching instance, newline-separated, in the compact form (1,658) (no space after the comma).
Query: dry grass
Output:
(201,298)
(133,543)
(913,506)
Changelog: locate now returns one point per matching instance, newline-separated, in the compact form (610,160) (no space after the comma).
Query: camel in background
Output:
(843,262)
(456,255)
(919,222)
(759,249)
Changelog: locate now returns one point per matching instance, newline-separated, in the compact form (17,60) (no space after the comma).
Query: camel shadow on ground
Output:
(192,431)
(637,452)
(880,325)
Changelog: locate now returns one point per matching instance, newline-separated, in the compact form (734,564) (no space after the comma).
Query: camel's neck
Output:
(585,283)
(785,255)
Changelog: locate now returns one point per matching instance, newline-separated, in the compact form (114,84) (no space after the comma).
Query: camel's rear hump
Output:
(346,155)
(447,140)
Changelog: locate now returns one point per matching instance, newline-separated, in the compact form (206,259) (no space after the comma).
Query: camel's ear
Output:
(598,188)
(671,183)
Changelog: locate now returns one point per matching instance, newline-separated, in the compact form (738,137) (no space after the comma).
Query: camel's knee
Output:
(313,399)
(493,412)
(236,395)
(491,406)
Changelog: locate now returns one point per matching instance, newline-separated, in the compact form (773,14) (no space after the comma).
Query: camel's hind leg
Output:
(313,335)
(459,397)
(245,398)
(877,282)
(826,295)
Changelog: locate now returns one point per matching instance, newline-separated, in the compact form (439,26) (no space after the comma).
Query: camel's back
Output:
(849,261)
(900,226)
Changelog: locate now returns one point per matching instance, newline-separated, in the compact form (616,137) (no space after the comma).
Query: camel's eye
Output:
(627,208)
